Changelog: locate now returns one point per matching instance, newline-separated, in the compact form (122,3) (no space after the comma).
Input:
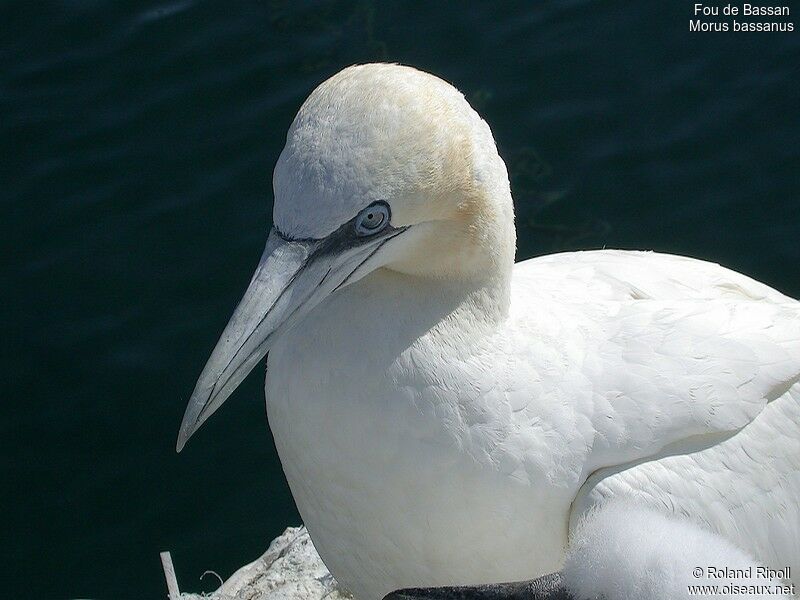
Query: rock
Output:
(290,569)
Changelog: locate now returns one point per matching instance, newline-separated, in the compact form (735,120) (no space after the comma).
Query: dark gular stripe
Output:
(394,234)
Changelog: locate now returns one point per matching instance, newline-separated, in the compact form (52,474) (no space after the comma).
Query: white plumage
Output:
(443,415)
(619,552)
(473,448)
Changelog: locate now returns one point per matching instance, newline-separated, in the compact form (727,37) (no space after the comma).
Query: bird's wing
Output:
(745,488)
(654,349)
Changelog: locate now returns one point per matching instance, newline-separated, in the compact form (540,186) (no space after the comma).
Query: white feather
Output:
(623,551)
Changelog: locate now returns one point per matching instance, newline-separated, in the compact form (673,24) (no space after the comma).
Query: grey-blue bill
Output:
(292,277)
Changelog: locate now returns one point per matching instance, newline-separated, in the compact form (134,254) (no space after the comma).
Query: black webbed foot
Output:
(547,587)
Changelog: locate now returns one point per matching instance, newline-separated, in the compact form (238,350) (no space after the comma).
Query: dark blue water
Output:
(138,140)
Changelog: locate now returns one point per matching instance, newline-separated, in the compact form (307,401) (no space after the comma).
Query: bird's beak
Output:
(292,277)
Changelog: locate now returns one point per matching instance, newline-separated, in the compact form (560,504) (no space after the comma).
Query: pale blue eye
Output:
(372,219)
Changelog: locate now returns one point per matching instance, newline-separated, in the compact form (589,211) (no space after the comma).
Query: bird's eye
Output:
(372,219)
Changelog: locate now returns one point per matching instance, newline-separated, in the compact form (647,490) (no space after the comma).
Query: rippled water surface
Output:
(138,141)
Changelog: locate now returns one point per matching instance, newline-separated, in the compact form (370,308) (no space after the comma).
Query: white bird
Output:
(445,416)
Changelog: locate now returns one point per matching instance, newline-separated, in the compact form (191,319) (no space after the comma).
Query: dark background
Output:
(138,141)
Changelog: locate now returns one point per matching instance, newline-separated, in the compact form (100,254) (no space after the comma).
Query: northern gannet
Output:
(447,417)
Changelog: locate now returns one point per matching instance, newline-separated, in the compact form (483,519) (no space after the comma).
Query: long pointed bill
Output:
(292,277)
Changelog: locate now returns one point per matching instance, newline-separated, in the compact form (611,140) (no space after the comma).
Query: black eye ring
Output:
(373,219)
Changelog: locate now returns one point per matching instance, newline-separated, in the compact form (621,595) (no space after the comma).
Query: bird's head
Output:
(384,167)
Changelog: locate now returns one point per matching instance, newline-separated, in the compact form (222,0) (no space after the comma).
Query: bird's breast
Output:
(390,446)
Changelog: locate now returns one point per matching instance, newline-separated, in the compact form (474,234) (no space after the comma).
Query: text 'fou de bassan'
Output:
(703,11)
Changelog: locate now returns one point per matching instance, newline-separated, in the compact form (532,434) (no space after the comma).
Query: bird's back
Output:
(621,275)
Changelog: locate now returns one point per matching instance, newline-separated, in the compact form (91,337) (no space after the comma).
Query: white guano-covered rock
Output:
(290,569)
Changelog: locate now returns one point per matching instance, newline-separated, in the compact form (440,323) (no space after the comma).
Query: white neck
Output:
(473,245)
